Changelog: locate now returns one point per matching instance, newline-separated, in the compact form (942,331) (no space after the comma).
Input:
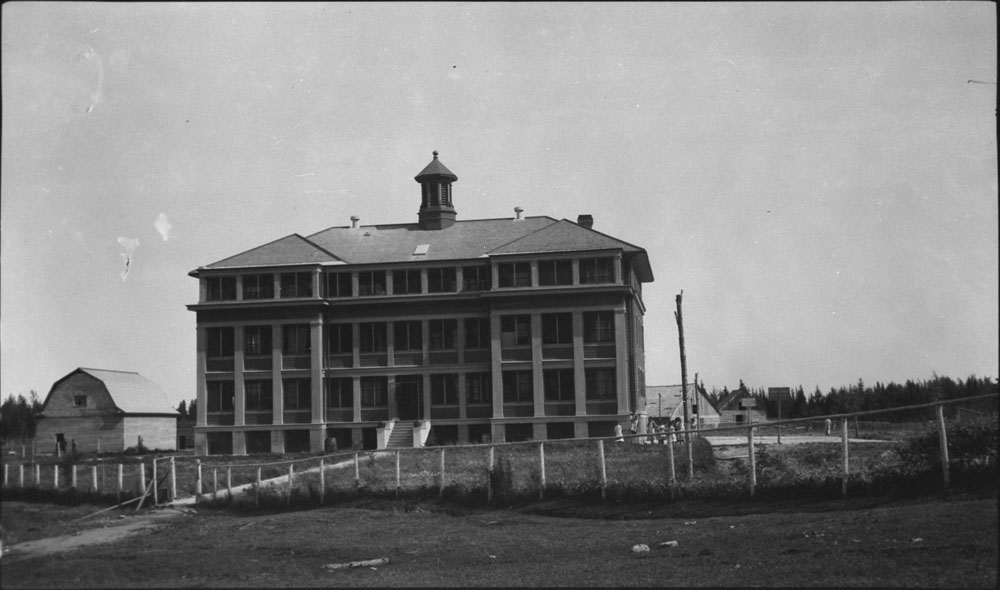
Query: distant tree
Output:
(182,408)
(19,416)
(193,409)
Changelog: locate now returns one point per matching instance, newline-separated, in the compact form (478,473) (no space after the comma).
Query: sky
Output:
(819,180)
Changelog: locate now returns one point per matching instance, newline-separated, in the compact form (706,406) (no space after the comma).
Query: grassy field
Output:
(934,542)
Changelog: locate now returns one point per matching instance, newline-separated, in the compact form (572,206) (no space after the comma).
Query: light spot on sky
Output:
(163,226)
(129,244)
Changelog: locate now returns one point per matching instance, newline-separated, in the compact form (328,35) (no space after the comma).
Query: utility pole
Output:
(684,382)
(684,387)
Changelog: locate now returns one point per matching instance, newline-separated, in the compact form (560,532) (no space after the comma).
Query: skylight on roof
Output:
(421,249)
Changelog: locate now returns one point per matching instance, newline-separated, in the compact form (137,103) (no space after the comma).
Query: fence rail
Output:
(533,467)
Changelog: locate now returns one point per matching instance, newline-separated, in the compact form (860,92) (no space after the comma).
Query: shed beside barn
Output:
(108,411)
(665,402)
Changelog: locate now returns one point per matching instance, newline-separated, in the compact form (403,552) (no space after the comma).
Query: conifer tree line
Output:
(862,397)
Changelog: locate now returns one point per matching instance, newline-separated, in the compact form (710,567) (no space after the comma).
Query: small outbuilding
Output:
(106,411)
(666,402)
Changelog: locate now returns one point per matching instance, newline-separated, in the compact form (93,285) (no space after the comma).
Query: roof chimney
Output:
(586,221)
(517,212)
(354,221)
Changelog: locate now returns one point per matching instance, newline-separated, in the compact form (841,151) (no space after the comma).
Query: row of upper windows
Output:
(406,282)
(518,387)
(373,337)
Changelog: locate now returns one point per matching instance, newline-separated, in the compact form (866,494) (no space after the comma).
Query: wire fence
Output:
(841,450)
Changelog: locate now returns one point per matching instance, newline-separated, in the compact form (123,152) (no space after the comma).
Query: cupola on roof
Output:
(435,171)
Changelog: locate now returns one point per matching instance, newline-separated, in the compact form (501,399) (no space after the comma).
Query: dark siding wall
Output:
(86,430)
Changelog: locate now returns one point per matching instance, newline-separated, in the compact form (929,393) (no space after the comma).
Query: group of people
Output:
(657,431)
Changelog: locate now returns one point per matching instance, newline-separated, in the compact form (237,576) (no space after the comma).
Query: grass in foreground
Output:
(950,542)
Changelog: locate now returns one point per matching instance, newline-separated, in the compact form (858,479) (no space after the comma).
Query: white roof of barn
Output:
(665,400)
(131,392)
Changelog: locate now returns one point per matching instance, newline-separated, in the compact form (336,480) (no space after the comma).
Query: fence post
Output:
(322,480)
(229,482)
(847,463)
(173,480)
(121,480)
(398,480)
(291,483)
(38,475)
(604,471)
(751,459)
(197,482)
(142,478)
(5,473)
(93,473)
(215,485)
(541,467)
(670,461)
(156,485)
(690,455)
(441,489)
(489,476)
(55,476)
(258,487)
(357,475)
(20,476)
(943,443)
(74,476)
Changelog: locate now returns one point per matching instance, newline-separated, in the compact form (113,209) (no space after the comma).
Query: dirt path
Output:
(108,533)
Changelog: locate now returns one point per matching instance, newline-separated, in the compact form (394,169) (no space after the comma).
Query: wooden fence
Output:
(531,465)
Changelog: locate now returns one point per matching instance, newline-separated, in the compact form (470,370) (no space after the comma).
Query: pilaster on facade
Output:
(425,409)
(200,386)
(579,372)
(277,386)
(496,365)
(356,397)
(239,385)
(316,370)
(621,361)
(537,375)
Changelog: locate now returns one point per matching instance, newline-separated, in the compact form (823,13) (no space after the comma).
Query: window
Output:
(298,394)
(374,392)
(296,339)
(218,342)
(517,387)
(258,395)
(444,390)
(600,384)
(371,283)
(478,388)
(515,330)
(597,270)
(340,338)
(405,282)
(220,288)
(79,401)
(514,274)
(373,336)
(557,328)
(219,396)
(407,335)
(555,272)
(444,334)
(477,333)
(441,280)
(559,385)
(340,392)
(257,341)
(258,287)
(598,326)
(296,284)
(338,284)
(476,278)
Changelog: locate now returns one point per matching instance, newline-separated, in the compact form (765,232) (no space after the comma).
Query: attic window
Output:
(421,249)
(79,401)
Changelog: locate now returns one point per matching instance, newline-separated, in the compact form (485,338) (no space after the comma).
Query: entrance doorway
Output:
(409,390)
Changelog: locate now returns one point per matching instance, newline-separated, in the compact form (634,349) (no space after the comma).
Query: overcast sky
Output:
(819,179)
